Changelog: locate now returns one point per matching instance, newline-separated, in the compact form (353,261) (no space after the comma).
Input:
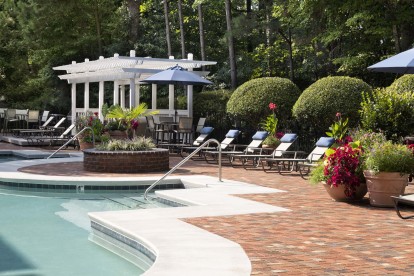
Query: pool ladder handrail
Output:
(73,138)
(184,161)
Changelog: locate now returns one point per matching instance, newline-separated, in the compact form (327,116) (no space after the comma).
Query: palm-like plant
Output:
(128,117)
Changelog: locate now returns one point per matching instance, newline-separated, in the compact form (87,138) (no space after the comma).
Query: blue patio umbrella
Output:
(402,63)
(176,75)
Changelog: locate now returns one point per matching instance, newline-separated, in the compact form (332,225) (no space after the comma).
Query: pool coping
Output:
(180,248)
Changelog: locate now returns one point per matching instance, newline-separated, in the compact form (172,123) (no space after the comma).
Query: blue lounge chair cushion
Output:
(325,142)
(260,135)
(289,138)
(233,133)
(206,130)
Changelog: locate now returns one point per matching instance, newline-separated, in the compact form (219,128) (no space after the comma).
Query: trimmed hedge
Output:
(250,101)
(403,84)
(319,103)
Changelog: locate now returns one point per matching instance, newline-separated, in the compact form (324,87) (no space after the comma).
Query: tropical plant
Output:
(136,144)
(390,157)
(339,129)
(129,117)
(270,123)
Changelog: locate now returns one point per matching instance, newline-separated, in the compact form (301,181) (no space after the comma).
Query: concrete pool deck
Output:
(317,237)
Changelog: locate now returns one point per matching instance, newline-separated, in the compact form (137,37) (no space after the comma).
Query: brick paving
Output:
(317,237)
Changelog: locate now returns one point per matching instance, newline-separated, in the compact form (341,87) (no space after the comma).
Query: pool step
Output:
(134,202)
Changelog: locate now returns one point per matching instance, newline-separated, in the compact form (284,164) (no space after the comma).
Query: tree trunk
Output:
(201,31)
(249,17)
(230,43)
(98,27)
(180,16)
(167,27)
(134,16)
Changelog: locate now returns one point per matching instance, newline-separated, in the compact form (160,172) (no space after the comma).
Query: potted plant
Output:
(91,120)
(270,125)
(116,129)
(341,172)
(387,168)
(129,117)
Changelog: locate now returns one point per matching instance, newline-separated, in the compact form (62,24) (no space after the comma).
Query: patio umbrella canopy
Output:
(176,75)
(402,63)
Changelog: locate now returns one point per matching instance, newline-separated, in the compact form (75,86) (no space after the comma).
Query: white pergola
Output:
(127,71)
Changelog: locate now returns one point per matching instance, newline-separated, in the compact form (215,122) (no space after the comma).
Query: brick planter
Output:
(154,160)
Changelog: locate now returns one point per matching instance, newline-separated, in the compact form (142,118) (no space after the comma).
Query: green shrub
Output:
(389,157)
(403,84)
(250,101)
(212,105)
(319,103)
(137,144)
(388,111)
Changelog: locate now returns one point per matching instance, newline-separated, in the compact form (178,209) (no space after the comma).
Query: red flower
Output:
(134,124)
(338,114)
(272,106)
(279,134)
(96,114)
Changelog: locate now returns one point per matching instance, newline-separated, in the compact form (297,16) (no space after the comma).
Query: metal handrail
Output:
(184,161)
(73,138)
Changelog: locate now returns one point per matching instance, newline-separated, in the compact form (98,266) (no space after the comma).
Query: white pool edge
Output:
(180,248)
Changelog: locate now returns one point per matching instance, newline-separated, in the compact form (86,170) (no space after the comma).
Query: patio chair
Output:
(10,117)
(300,164)
(32,117)
(50,130)
(281,151)
(44,117)
(184,130)
(204,133)
(200,124)
(257,140)
(52,140)
(16,131)
(231,135)
(407,200)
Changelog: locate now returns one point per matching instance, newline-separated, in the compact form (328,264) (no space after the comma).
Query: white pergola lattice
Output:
(127,70)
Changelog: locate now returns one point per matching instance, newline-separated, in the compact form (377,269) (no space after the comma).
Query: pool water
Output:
(48,235)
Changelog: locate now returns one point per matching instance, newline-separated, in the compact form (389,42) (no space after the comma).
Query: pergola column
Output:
(73,99)
(86,97)
(137,94)
(171,99)
(190,92)
(116,93)
(122,95)
(131,93)
(101,100)
(154,96)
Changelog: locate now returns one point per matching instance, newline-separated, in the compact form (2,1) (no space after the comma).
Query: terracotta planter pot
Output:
(383,185)
(85,145)
(338,193)
(118,134)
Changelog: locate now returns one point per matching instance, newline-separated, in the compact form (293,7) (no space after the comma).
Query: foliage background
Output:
(300,40)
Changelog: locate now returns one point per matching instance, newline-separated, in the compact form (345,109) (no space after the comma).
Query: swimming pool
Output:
(47,234)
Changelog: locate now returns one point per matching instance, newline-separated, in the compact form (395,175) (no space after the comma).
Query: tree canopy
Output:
(300,40)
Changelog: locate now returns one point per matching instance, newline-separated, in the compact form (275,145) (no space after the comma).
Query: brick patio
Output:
(318,236)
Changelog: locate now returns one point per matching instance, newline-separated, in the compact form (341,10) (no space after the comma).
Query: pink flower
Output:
(272,106)
(338,114)
(279,134)
(134,124)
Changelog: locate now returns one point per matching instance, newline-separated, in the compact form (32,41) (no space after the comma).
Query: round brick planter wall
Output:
(154,160)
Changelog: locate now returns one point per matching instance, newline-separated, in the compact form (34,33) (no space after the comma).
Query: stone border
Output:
(155,160)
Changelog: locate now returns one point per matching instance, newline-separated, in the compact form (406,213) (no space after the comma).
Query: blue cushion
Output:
(289,138)
(206,130)
(233,133)
(325,142)
(260,135)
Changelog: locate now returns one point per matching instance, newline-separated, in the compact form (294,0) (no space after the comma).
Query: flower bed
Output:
(154,160)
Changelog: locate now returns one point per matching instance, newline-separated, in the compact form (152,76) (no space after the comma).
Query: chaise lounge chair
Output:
(224,145)
(257,140)
(405,200)
(46,131)
(16,131)
(204,133)
(282,150)
(300,164)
